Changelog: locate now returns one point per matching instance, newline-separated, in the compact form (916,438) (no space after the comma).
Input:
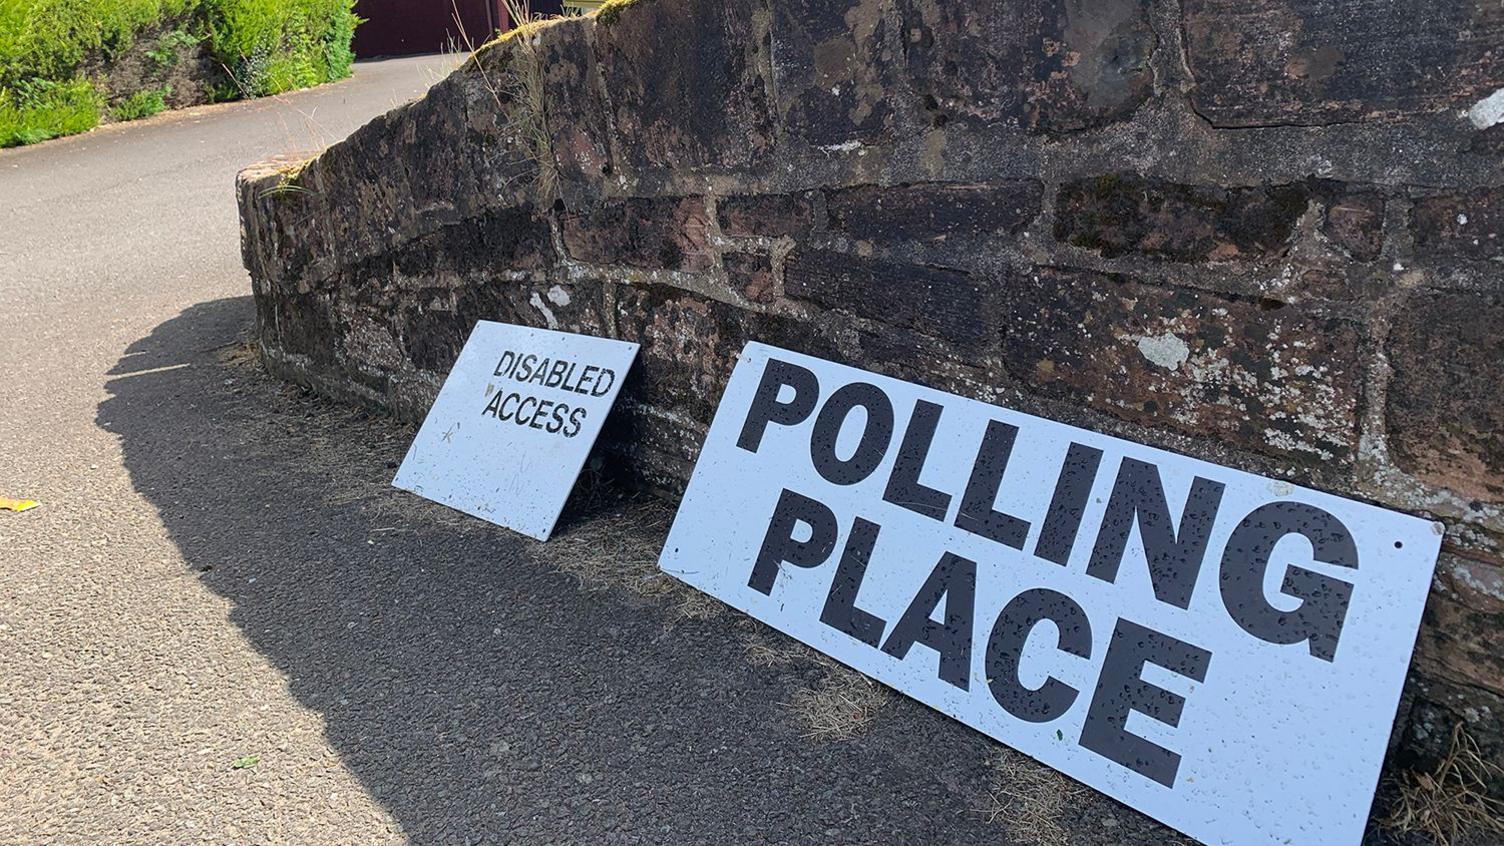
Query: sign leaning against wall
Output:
(514,423)
(1222,651)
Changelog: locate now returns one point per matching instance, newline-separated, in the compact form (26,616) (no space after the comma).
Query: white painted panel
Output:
(514,424)
(1279,741)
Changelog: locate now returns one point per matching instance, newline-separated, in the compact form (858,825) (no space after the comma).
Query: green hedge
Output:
(265,47)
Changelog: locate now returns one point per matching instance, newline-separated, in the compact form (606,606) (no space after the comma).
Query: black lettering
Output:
(568,375)
(541,373)
(576,418)
(1120,690)
(556,375)
(904,488)
(604,382)
(1322,612)
(1006,646)
(877,433)
(767,409)
(779,546)
(955,580)
(524,370)
(556,422)
(978,513)
(1057,535)
(587,377)
(840,611)
(1174,558)
(523,404)
(508,361)
(541,413)
(493,405)
(502,413)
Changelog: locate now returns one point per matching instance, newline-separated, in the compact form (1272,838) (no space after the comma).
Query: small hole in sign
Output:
(1399,544)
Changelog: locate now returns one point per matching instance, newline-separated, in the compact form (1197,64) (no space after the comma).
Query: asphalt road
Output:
(219,573)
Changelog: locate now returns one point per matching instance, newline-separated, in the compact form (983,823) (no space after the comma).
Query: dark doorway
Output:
(403,27)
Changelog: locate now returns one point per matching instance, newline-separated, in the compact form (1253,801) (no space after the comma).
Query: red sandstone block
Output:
(654,233)
(1445,410)
(1279,380)
(934,211)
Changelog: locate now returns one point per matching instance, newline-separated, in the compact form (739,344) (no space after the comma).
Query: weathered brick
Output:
(1462,636)
(1262,62)
(1043,64)
(933,211)
(576,113)
(469,142)
(769,215)
(689,83)
(500,239)
(434,323)
(924,359)
(1354,221)
(433,289)
(752,275)
(1487,143)
(1274,379)
(1125,213)
(662,233)
(298,323)
(1466,224)
(939,301)
(834,74)
(690,344)
(1446,396)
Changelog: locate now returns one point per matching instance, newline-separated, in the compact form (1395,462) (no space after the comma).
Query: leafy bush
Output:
(165,54)
(38,109)
(48,39)
(265,47)
(271,46)
(141,104)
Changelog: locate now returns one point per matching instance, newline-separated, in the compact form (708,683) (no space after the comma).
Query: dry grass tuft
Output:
(520,94)
(1451,801)
(244,352)
(1030,797)
(839,706)
(621,549)
(786,652)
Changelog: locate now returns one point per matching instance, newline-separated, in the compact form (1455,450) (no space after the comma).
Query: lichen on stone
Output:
(611,10)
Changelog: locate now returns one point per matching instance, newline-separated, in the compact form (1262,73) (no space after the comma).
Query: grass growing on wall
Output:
(264,46)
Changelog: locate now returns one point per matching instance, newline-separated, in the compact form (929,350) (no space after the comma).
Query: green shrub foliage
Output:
(144,103)
(265,47)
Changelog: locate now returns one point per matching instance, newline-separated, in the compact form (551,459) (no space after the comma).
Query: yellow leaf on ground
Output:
(17,504)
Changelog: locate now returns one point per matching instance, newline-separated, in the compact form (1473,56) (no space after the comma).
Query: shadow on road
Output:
(478,693)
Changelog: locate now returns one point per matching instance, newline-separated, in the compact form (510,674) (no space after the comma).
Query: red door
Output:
(402,27)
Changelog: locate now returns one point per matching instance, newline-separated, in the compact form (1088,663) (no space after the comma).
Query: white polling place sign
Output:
(514,423)
(1222,651)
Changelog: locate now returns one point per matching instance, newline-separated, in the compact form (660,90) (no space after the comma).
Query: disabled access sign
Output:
(514,423)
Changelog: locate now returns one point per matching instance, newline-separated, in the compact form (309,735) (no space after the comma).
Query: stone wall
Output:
(1267,233)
